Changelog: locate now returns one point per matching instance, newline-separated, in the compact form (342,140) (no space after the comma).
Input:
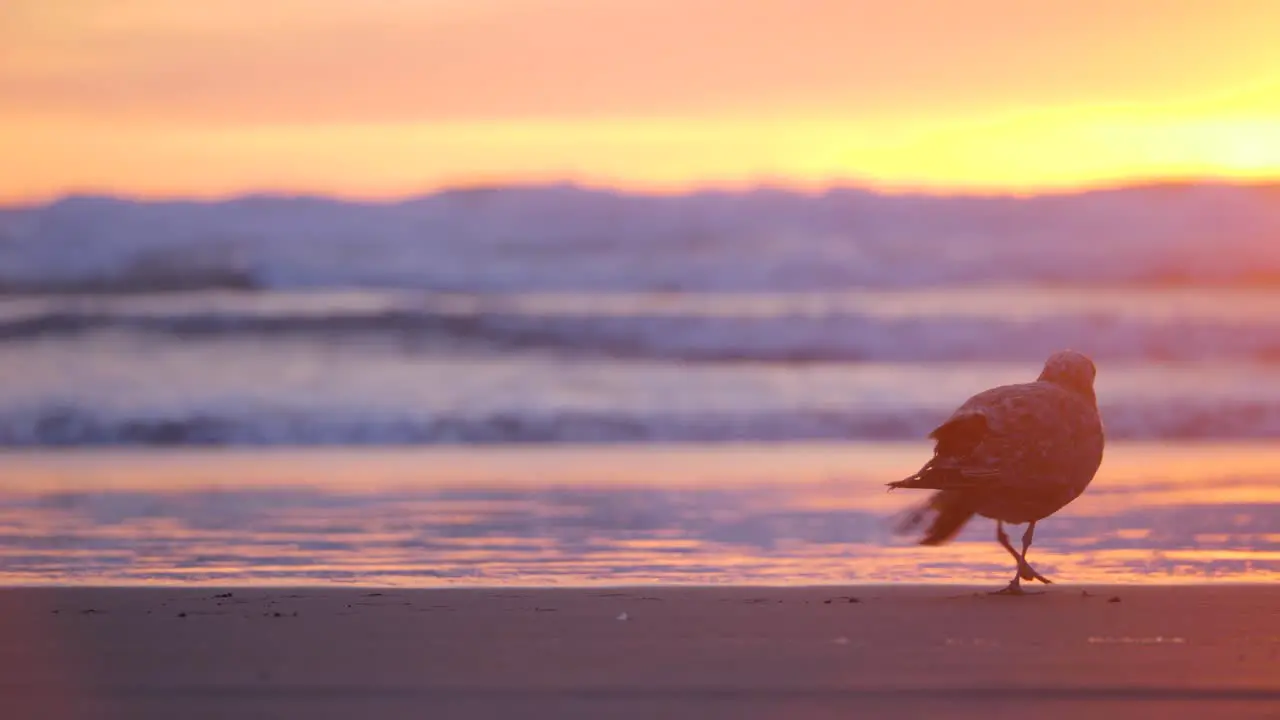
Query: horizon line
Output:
(639,190)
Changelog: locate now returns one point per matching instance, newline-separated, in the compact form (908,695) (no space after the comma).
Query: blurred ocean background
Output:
(560,314)
(485,323)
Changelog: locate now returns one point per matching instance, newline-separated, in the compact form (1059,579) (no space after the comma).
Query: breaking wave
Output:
(67,426)
(567,238)
(974,324)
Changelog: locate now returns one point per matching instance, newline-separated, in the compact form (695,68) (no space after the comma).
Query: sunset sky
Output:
(373,98)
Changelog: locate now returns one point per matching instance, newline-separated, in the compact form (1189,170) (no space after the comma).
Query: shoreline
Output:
(1058,586)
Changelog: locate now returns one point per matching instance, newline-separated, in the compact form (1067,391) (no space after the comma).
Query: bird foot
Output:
(1026,572)
(1013,588)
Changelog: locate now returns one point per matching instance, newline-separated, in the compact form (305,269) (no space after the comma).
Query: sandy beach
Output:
(706,652)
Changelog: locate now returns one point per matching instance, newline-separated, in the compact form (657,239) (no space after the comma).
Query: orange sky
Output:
(388,97)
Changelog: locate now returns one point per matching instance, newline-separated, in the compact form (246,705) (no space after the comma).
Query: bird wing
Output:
(1002,437)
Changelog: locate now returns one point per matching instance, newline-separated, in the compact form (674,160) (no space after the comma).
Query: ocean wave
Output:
(1001,324)
(72,426)
(566,238)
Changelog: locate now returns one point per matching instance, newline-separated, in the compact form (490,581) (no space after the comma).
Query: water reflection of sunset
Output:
(606,515)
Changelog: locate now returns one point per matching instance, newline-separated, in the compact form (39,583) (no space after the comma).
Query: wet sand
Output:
(710,652)
(552,515)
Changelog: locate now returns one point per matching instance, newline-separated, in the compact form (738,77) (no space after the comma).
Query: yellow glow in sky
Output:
(389,97)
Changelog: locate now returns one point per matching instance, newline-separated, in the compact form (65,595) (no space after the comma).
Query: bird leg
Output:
(1015,585)
(1025,570)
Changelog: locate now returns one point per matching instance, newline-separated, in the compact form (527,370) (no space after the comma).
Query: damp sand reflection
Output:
(687,514)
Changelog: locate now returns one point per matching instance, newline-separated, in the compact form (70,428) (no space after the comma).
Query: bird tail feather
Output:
(946,512)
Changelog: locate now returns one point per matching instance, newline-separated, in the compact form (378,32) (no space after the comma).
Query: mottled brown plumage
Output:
(1015,454)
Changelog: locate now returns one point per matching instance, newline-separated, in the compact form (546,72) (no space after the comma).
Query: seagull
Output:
(1015,454)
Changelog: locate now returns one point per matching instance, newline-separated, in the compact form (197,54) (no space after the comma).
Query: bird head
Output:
(1072,370)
